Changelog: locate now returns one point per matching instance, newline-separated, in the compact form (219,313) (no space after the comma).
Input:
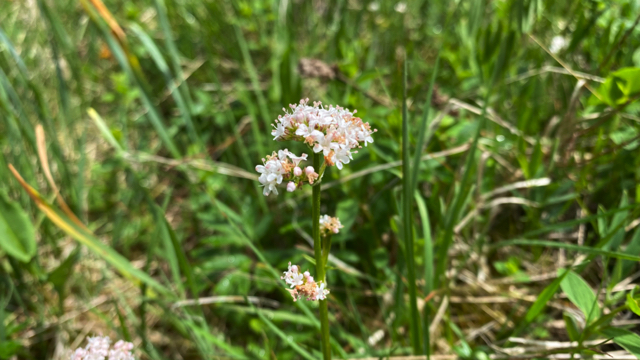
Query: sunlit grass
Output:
(521,231)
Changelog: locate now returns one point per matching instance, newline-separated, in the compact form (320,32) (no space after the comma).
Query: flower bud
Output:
(291,186)
(297,171)
(309,170)
(294,268)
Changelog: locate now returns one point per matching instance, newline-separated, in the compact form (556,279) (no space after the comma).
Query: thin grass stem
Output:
(407,220)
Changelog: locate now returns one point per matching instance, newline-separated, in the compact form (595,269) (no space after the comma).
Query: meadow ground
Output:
(130,205)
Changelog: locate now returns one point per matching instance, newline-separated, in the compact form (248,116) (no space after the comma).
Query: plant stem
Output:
(320,266)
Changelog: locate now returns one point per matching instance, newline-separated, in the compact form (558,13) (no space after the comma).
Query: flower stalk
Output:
(320,262)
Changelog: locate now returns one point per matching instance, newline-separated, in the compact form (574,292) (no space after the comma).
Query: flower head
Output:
(282,166)
(329,225)
(332,130)
(98,348)
(303,285)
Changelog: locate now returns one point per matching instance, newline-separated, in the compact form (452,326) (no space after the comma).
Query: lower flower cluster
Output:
(99,348)
(303,285)
(329,225)
(284,165)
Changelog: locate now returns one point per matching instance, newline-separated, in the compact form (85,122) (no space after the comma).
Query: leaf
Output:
(570,325)
(628,80)
(544,298)
(16,231)
(619,87)
(625,338)
(633,304)
(581,295)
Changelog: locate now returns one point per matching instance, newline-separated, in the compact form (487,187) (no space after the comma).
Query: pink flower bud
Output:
(309,170)
(335,230)
(294,268)
(297,171)
(291,186)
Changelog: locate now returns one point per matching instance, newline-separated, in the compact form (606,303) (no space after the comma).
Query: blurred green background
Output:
(153,115)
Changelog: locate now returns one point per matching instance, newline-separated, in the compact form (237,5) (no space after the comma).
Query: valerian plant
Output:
(333,134)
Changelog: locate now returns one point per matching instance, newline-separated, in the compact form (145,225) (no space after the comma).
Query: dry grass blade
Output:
(438,317)
(518,185)
(212,166)
(555,70)
(44,161)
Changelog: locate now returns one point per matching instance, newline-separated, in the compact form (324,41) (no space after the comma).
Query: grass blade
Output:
(407,222)
(128,65)
(173,85)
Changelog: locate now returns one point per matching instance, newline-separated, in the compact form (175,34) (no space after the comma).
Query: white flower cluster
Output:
(333,130)
(329,225)
(284,166)
(303,285)
(98,348)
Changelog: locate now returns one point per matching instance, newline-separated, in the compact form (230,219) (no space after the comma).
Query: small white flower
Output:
(292,277)
(321,292)
(341,156)
(278,131)
(297,159)
(324,143)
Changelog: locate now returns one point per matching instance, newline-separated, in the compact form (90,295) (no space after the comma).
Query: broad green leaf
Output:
(633,304)
(16,231)
(628,80)
(628,340)
(619,87)
(581,295)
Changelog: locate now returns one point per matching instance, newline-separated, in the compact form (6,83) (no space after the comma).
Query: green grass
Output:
(152,138)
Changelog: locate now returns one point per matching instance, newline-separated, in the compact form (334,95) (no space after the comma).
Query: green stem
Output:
(320,266)
(326,248)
